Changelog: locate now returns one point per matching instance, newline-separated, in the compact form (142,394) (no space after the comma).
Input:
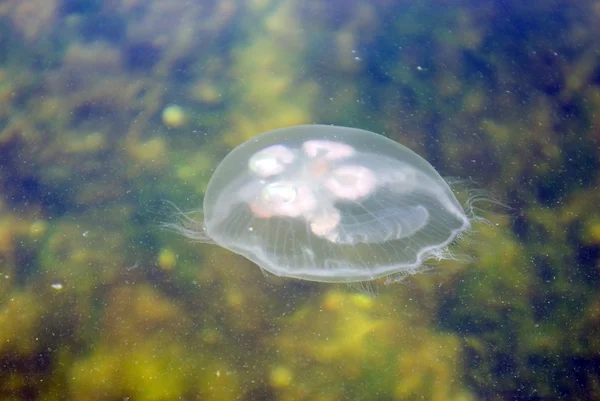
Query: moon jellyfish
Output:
(329,204)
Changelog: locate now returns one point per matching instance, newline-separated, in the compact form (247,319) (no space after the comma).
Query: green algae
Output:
(97,302)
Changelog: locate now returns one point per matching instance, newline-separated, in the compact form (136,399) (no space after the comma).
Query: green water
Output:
(107,109)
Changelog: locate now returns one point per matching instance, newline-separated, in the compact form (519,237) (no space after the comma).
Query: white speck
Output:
(133,266)
(357,58)
(218,373)
(85,233)
(57,286)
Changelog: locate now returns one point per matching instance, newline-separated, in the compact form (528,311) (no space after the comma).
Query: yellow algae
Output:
(132,310)
(152,151)
(241,292)
(69,257)
(7,231)
(167,259)
(218,382)
(143,370)
(79,256)
(20,315)
(334,300)
(449,84)
(186,172)
(150,371)
(197,170)
(350,339)
(345,331)
(98,373)
(471,38)
(283,25)
(259,5)
(150,306)
(206,93)
(578,74)
(203,162)
(136,356)
(247,126)
(271,93)
(429,369)
(98,56)
(13,383)
(210,336)
(269,86)
(346,341)
(502,134)
(496,247)
(591,232)
(173,116)
(474,101)
(362,301)
(50,109)
(88,143)
(33,19)
(235,299)
(467,35)
(280,376)
(345,44)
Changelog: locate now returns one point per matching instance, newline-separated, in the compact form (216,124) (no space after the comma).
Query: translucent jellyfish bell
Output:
(329,204)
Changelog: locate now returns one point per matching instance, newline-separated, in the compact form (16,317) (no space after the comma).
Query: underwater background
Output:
(110,107)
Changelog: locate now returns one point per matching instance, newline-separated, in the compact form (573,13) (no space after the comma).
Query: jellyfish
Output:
(329,204)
